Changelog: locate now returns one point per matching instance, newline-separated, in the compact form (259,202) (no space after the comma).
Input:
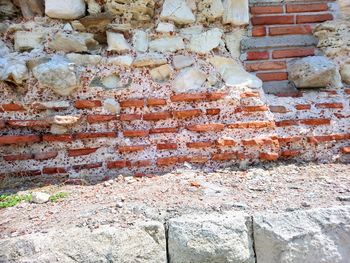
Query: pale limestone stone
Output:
(33,62)
(31,8)
(117,42)
(181,61)
(73,42)
(233,73)
(345,73)
(161,73)
(7,9)
(205,42)
(211,9)
(189,79)
(26,41)
(93,7)
(140,41)
(149,60)
(40,198)
(233,42)
(192,4)
(78,26)
(58,74)
(236,12)
(164,27)
(111,82)
(167,44)
(68,27)
(125,60)
(13,70)
(65,120)
(188,32)
(65,9)
(314,72)
(177,11)
(58,129)
(83,59)
(4,50)
(111,105)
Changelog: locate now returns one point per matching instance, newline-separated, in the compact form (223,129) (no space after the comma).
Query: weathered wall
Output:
(161,89)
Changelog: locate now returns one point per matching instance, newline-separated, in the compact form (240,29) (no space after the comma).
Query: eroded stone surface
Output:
(117,42)
(177,11)
(73,42)
(319,235)
(189,79)
(236,12)
(314,72)
(26,41)
(211,238)
(162,73)
(205,42)
(167,44)
(13,70)
(182,61)
(57,74)
(345,73)
(150,60)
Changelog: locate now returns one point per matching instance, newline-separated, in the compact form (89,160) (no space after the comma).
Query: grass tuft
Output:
(58,196)
(12,200)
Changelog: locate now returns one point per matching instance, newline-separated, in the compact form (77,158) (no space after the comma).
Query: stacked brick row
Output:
(290,26)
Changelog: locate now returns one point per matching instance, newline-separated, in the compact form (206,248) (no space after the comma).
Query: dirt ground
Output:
(274,187)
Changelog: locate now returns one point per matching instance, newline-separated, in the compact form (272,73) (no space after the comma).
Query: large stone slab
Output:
(236,12)
(65,9)
(314,72)
(211,238)
(143,243)
(313,236)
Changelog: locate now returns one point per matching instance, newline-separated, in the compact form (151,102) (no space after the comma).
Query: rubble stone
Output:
(65,9)
(177,11)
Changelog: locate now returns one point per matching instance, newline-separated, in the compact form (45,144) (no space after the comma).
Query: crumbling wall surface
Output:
(139,87)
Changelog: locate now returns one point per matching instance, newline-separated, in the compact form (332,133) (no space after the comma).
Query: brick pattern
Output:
(278,20)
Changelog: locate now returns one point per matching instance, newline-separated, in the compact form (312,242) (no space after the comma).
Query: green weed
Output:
(12,200)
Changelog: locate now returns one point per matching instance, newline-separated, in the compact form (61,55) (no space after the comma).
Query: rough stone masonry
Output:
(98,88)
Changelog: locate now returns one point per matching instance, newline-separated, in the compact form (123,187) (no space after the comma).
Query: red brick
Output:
(345,150)
(11,107)
(130,117)
(269,156)
(254,108)
(252,125)
(257,55)
(166,146)
(54,170)
(156,102)
(87,104)
(22,174)
(289,139)
(17,139)
(318,139)
(198,159)
(339,137)
(225,142)
(259,31)
(163,130)
(304,8)
(258,10)
(213,111)
(303,106)
(293,53)
(94,135)
(216,96)
(45,155)
(87,166)
(142,163)
(304,19)
(278,109)
(139,103)
(118,164)
(290,153)
(315,122)
(296,94)
(250,94)
(156,116)
(347,91)
(81,152)
(273,20)
(18,157)
(329,105)
(2,124)
(206,127)
(188,97)
(187,113)
(57,138)
(199,145)
(100,118)
(135,133)
(273,76)
(268,65)
(132,148)
(290,30)
(28,123)
(226,156)
(167,161)
(259,142)
(285,123)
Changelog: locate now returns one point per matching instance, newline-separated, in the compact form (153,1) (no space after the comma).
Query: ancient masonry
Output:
(104,87)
